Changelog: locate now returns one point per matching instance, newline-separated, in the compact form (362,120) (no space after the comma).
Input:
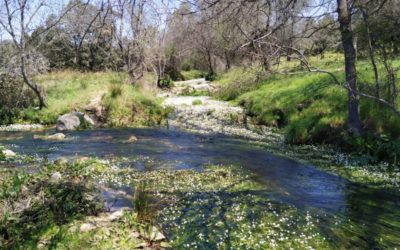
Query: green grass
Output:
(128,106)
(66,91)
(197,102)
(40,213)
(309,107)
(193,74)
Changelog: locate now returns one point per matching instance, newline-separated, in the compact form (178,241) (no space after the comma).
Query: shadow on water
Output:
(367,216)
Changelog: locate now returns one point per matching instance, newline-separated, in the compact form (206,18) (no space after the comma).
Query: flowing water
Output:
(375,214)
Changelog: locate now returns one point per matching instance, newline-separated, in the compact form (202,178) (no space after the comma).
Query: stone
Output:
(61,161)
(131,139)
(156,235)
(72,121)
(56,137)
(55,177)
(116,215)
(85,227)
(9,153)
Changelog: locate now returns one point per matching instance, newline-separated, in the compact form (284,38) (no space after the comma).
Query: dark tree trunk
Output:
(210,63)
(371,51)
(344,16)
(227,61)
(32,85)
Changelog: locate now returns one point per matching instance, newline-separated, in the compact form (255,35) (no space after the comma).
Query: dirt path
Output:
(205,115)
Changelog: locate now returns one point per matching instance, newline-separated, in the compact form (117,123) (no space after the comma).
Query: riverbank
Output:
(106,96)
(211,179)
(204,115)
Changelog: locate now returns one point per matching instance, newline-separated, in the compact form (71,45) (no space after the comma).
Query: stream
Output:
(374,213)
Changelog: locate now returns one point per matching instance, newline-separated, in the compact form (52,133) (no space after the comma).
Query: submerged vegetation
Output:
(58,205)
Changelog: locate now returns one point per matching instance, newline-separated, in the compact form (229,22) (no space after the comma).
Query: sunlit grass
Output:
(126,104)
(309,106)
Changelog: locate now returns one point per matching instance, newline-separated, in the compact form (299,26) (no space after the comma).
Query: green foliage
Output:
(38,205)
(193,74)
(133,107)
(239,81)
(67,91)
(197,102)
(211,77)
(370,149)
(141,202)
(166,82)
(2,156)
(309,107)
(115,90)
(14,96)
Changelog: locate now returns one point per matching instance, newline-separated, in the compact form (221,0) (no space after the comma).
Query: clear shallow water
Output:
(374,213)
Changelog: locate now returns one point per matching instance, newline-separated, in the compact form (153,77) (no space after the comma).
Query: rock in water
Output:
(9,153)
(57,137)
(131,139)
(73,121)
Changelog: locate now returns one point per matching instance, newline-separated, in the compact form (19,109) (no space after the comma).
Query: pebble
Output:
(56,176)
(85,227)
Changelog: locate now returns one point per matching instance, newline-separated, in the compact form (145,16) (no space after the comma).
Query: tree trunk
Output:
(32,85)
(210,63)
(344,17)
(227,61)
(371,51)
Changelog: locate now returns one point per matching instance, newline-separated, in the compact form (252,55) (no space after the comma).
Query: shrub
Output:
(373,149)
(13,98)
(211,77)
(239,81)
(115,90)
(166,82)
(193,74)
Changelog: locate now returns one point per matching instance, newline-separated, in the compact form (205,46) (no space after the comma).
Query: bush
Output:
(115,90)
(372,149)
(239,81)
(211,77)
(13,98)
(193,74)
(166,82)
(133,107)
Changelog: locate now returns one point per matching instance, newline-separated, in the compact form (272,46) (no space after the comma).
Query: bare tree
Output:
(344,19)
(17,18)
(129,20)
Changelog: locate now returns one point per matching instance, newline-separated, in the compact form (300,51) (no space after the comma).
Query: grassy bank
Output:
(309,108)
(124,104)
